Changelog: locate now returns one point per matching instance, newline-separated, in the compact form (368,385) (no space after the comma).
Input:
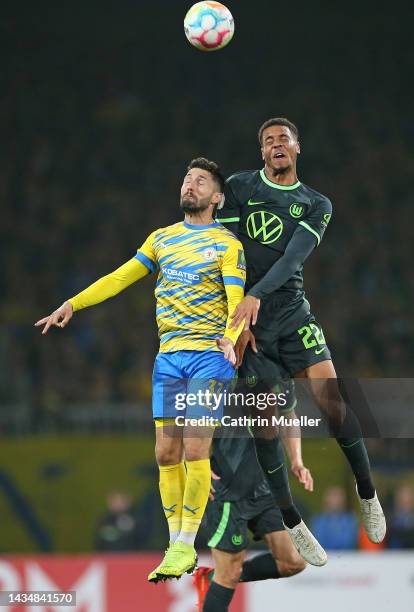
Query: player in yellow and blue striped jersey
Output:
(201,274)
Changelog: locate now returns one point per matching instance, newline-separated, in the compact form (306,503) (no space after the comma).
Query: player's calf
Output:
(283,561)
(291,568)
(226,578)
(228,568)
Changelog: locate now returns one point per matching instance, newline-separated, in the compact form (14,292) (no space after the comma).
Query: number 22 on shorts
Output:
(312,336)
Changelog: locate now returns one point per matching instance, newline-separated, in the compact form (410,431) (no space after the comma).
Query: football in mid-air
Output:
(209,26)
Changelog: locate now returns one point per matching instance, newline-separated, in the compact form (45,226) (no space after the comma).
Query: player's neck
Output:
(282,178)
(202,218)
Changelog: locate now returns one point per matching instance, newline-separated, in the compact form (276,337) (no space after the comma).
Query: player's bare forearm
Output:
(293,443)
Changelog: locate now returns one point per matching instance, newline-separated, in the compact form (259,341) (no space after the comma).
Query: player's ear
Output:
(261,149)
(217,198)
(298,147)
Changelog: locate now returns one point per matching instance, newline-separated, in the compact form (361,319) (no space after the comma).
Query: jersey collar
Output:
(276,185)
(199,227)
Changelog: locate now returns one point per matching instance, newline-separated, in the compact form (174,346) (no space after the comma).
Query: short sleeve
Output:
(318,218)
(233,264)
(146,253)
(229,215)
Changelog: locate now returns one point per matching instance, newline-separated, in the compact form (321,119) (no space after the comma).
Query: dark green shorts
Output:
(228,522)
(288,339)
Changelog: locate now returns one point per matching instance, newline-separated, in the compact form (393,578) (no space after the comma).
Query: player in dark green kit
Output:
(280,221)
(242,501)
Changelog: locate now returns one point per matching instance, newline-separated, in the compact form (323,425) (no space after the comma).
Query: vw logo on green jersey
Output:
(264,226)
(296,210)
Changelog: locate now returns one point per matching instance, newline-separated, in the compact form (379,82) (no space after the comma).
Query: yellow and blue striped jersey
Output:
(198,265)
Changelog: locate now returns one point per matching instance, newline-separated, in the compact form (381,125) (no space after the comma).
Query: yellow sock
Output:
(172,485)
(197,489)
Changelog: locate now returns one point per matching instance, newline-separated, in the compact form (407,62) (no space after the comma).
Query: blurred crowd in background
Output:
(95,144)
(337,527)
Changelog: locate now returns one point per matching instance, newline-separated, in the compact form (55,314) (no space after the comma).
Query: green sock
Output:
(356,453)
(260,567)
(272,461)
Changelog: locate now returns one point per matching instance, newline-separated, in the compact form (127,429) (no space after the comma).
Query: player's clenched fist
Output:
(58,318)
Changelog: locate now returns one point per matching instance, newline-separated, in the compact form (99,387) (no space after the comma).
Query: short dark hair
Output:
(278,121)
(210,166)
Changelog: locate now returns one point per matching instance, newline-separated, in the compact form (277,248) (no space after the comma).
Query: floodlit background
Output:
(102,107)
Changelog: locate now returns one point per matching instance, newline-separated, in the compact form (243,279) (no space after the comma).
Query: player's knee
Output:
(197,449)
(167,455)
(333,406)
(193,454)
(236,573)
(229,575)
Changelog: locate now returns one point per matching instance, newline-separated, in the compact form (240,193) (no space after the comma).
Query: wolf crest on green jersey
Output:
(296,210)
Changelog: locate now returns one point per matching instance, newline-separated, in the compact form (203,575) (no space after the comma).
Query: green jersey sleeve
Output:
(229,215)
(317,219)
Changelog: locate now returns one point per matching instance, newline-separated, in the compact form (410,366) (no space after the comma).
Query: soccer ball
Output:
(209,26)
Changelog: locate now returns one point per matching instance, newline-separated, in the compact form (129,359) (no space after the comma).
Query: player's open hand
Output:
(303,475)
(246,311)
(212,489)
(227,346)
(58,318)
(245,338)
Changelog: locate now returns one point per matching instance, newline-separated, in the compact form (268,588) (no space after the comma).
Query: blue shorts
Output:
(181,381)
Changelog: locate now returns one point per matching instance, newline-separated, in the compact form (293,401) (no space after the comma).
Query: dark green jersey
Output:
(266,216)
(234,459)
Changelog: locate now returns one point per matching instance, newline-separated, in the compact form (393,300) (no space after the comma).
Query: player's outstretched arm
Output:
(104,288)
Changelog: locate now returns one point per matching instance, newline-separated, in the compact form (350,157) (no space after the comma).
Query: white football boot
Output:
(307,545)
(373,519)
